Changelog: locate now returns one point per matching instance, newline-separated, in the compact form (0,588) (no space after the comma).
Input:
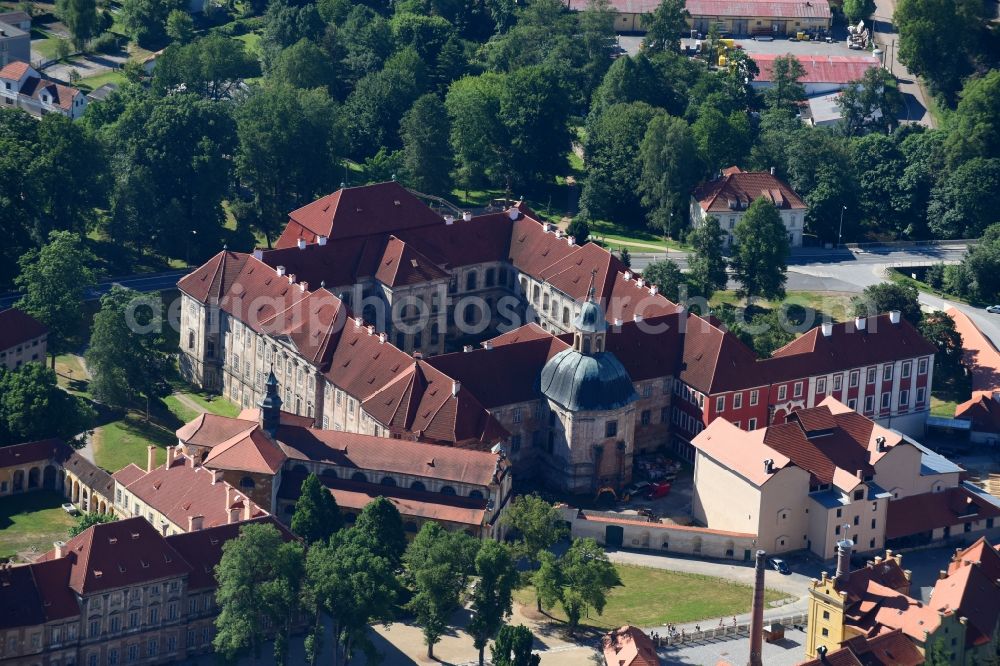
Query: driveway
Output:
(87,66)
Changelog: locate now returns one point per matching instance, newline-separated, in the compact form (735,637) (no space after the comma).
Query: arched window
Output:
(470,314)
(545,302)
(417,485)
(247,482)
(476,494)
(300,469)
(190,339)
(330,472)
(471,280)
(565,316)
(388,481)
(359,476)
(490,277)
(447,490)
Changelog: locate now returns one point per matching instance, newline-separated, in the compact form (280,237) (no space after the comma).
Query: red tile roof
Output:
(60,95)
(892,648)
(741,188)
(715,360)
(119,554)
(979,354)
(629,646)
(352,451)
(781,9)
(34,452)
(411,503)
(973,594)
(181,491)
(402,264)
(357,211)
(203,549)
(13,71)
(18,327)
(90,474)
(840,657)
(983,410)
(208,429)
(251,451)
(819,69)
(982,552)
(929,511)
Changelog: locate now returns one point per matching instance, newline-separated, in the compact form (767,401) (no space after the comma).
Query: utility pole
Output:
(840,230)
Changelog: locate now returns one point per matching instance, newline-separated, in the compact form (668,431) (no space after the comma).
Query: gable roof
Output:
(209,429)
(979,354)
(250,451)
(629,646)
(818,68)
(15,70)
(18,327)
(32,452)
(930,511)
(737,189)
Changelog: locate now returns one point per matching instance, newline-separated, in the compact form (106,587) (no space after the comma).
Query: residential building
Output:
(23,87)
(778,18)
(266,454)
(823,74)
(117,593)
(629,646)
(381,317)
(23,339)
(180,495)
(961,620)
(15,38)
(880,366)
(728,197)
(824,473)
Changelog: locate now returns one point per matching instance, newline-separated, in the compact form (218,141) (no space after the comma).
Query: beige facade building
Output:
(23,339)
(826,474)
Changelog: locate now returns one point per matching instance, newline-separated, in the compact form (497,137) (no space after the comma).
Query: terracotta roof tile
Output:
(251,451)
(210,429)
(13,71)
(30,452)
(629,646)
(18,327)
(819,68)
(929,511)
(743,188)
(979,354)
(402,264)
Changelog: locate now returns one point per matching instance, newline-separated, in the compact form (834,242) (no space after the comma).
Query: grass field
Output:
(650,597)
(122,442)
(637,240)
(32,520)
(948,393)
(70,374)
(216,404)
(836,304)
(95,82)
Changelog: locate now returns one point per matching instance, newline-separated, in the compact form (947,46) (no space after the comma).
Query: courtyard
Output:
(30,522)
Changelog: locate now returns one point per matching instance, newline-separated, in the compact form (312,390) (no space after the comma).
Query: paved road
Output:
(142,283)
(887,39)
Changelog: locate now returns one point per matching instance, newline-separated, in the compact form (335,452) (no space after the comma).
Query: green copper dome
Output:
(582,382)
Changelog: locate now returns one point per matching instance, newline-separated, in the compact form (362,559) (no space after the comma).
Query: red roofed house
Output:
(823,74)
(629,646)
(266,454)
(889,649)
(23,87)
(856,608)
(729,196)
(117,593)
(806,483)
(22,339)
(368,286)
(759,17)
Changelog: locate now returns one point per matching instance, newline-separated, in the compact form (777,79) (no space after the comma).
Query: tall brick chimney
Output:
(757,612)
(150,458)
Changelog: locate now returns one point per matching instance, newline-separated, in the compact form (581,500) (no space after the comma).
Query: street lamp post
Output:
(840,230)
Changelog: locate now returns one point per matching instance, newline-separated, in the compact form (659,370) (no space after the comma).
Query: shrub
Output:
(106,42)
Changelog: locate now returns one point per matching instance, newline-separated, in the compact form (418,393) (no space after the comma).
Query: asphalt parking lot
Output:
(631,44)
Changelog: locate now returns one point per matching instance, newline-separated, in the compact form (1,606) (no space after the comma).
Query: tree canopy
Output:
(761,252)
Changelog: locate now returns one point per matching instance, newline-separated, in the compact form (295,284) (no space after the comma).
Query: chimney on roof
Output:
(60,547)
(628,275)
(466,348)
(291,278)
(281,271)
(880,444)
(773,171)
(513,213)
(640,282)
(827,328)
(456,386)
(370,329)
(233,515)
(618,322)
(859,323)
(559,233)
(302,243)
(467,216)
(258,254)
(769,466)
(488,344)
(195,523)
(216,476)
(381,338)
(844,548)
(570,240)
(171,455)
(303,286)
(150,458)
(637,317)
(653,289)
(247,508)
(418,355)
(322,240)
(449,220)
(894,316)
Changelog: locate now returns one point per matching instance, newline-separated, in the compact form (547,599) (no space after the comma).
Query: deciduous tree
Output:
(666,26)
(34,407)
(761,252)
(785,88)
(55,280)
(317,516)
(588,577)
(88,520)
(426,150)
(80,16)
(707,264)
(512,647)
(966,199)
(939,328)
(669,158)
(888,296)
(380,527)
(492,597)
(669,280)
(938,39)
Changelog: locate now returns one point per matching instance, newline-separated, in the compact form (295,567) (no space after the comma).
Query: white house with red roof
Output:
(23,87)
(823,74)
(728,197)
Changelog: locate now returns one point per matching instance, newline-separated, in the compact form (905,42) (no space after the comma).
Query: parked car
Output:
(658,490)
(778,565)
(70,509)
(637,489)
(993,309)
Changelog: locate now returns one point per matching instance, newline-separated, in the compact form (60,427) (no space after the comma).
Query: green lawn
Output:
(948,393)
(836,304)
(32,521)
(46,47)
(122,442)
(95,82)
(651,597)
(637,240)
(181,411)
(70,374)
(216,404)
(251,40)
